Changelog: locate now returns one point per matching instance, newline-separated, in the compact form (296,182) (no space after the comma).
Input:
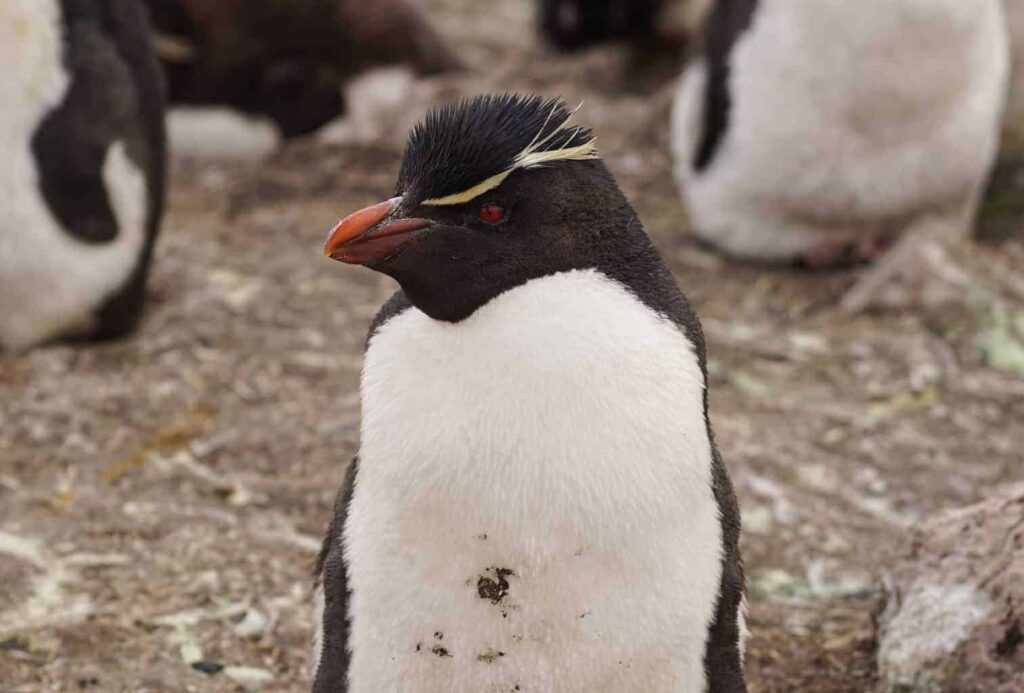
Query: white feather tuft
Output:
(530,157)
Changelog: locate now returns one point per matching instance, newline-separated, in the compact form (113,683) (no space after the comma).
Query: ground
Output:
(162,497)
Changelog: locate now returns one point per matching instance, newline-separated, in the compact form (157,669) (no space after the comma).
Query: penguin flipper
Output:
(723,658)
(726,23)
(115,88)
(332,657)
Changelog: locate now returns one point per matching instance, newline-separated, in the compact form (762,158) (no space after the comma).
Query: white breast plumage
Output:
(534,504)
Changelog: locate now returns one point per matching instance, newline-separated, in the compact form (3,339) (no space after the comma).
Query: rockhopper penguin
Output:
(81,123)
(537,503)
(818,130)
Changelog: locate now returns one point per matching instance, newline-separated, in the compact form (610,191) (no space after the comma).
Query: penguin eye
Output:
(491,213)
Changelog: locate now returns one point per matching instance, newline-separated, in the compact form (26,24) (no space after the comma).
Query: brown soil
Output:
(194,466)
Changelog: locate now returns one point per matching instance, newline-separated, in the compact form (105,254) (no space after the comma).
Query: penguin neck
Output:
(523,361)
(611,241)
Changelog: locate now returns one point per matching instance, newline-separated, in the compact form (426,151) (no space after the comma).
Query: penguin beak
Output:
(368,236)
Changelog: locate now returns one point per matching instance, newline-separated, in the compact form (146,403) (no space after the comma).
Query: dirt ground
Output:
(162,497)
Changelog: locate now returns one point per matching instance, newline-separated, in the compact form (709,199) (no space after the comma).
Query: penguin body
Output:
(287,60)
(807,122)
(537,501)
(83,180)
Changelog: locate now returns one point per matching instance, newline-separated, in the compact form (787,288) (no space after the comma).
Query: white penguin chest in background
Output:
(846,119)
(49,280)
(534,503)
(872,89)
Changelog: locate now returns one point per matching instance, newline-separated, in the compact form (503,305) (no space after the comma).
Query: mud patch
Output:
(490,656)
(440,651)
(493,584)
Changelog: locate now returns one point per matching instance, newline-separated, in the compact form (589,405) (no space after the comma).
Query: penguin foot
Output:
(837,254)
(920,268)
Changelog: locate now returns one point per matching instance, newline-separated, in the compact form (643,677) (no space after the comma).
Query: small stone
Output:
(190,651)
(208,668)
(779,586)
(808,342)
(14,644)
(251,624)
(957,601)
(250,678)
(758,519)
(817,477)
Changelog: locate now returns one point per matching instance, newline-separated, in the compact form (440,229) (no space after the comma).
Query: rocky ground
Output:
(162,497)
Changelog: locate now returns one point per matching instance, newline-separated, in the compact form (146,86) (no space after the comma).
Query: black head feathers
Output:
(461,150)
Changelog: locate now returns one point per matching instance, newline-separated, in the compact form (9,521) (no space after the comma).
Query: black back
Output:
(728,20)
(115,95)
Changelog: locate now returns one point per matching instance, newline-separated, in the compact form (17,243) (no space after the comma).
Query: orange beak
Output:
(363,237)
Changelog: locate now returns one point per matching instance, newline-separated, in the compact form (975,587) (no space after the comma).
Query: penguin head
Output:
(493,192)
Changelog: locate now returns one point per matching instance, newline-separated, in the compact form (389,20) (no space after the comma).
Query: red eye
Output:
(492,214)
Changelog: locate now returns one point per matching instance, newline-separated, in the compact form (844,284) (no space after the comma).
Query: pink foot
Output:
(836,254)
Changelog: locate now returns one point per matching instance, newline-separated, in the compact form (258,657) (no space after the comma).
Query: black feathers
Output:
(458,146)
(727,22)
(331,675)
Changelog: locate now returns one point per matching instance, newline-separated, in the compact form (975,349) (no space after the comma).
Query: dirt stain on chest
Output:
(493,584)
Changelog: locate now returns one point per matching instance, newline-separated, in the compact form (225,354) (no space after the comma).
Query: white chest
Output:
(49,281)
(534,504)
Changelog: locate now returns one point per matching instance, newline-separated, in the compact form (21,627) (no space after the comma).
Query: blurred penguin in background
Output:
(82,178)
(818,131)
(657,31)
(287,59)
